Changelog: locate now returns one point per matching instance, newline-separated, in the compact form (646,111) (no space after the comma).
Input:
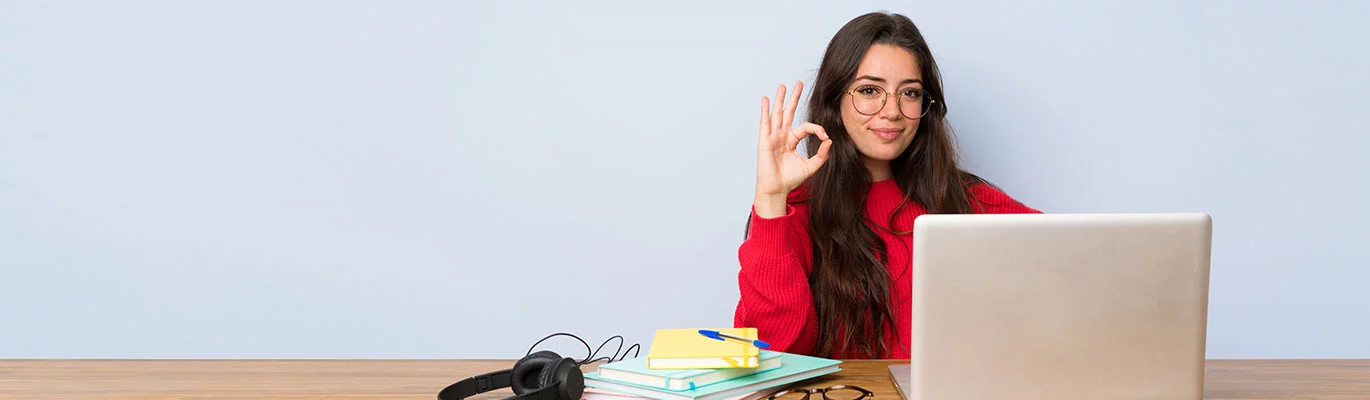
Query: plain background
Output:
(427,179)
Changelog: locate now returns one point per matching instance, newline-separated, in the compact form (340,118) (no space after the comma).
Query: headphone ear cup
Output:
(527,374)
(565,375)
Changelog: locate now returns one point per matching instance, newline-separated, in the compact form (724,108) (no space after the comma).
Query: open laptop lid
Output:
(1059,306)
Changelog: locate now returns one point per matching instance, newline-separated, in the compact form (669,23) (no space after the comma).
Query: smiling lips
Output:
(887,133)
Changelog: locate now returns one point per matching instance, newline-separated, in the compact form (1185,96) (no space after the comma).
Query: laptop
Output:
(1059,306)
(899,374)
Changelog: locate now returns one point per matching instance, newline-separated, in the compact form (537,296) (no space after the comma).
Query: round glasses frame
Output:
(865,394)
(899,102)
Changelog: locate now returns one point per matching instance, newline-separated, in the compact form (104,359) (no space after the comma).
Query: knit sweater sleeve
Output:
(775,298)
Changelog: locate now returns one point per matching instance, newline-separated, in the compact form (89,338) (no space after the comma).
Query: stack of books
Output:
(683,364)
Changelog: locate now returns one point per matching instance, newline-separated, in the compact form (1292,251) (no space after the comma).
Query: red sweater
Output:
(776,259)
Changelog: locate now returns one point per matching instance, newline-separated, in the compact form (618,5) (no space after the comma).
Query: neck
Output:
(880,170)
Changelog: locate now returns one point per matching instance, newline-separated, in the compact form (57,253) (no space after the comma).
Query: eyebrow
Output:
(881,80)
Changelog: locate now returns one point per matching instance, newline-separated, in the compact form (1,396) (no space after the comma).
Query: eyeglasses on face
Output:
(913,103)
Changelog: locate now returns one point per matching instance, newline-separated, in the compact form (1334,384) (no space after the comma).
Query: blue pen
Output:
(722,336)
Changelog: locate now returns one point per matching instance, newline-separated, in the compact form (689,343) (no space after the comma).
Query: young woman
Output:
(826,261)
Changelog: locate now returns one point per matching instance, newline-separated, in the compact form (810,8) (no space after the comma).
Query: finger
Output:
(791,104)
(776,117)
(765,116)
(803,131)
(809,128)
(819,157)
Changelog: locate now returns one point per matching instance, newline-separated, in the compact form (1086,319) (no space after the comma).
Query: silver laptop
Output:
(899,374)
(1059,306)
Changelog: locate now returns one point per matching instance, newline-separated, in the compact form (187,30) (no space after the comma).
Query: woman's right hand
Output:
(780,168)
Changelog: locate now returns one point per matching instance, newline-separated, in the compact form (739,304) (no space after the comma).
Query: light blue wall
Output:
(443,179)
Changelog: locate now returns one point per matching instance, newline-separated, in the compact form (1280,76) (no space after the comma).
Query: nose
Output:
(891,109)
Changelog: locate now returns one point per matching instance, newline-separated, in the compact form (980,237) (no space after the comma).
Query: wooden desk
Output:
(420,379)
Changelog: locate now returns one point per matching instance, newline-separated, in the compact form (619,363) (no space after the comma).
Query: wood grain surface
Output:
(422,379)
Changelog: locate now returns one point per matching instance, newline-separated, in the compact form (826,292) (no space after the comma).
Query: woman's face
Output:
(887,131)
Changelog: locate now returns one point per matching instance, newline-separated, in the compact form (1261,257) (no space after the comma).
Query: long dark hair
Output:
(850,284)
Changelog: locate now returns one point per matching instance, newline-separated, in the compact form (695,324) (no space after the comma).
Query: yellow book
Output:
(687,349)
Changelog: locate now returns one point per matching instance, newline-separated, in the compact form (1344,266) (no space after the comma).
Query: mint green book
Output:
(793,368)
(635,371)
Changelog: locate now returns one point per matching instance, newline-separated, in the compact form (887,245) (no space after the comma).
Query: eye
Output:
(913,94)
(868,91)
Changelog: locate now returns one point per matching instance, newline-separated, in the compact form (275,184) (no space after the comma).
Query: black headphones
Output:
(543,375)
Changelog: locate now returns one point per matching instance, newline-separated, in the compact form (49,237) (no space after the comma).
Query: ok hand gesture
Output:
(780,168)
